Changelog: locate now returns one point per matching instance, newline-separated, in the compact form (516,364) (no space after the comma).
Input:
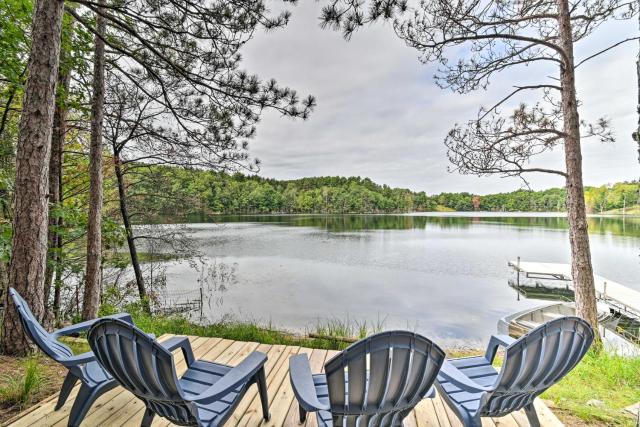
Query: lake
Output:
(443,275)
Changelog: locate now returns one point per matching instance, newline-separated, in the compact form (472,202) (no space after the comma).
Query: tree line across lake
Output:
(175,193)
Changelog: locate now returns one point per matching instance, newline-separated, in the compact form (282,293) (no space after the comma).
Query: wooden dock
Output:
(120,408)
(617,296)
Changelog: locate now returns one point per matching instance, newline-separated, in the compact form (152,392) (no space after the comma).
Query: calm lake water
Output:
(441,275)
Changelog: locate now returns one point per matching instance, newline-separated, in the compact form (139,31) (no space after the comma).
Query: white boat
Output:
(518,324)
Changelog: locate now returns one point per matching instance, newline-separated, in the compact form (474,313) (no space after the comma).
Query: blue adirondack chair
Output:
(82,367)
(205,395)
(374,382)
(473,388)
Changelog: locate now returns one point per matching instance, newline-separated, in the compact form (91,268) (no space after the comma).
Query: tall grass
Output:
(19,388)
(347,328)
(230,329)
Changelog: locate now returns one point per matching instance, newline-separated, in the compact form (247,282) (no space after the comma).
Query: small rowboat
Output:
(614,336)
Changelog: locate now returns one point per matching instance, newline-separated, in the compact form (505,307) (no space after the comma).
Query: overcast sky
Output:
(380,114)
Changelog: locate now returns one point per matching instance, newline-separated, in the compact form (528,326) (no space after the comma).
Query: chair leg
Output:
(532,416)
(69,381)
(85,398)
(470,421)
(303,414)
(473,422)
(261,381)
(148,418)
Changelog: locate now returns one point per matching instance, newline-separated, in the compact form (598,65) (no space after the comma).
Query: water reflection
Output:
(215,279)
(615,225)
(443,276)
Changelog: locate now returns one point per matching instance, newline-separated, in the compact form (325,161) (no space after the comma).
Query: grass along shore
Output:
(595,393)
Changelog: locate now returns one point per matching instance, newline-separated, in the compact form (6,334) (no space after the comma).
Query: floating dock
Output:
(619,297)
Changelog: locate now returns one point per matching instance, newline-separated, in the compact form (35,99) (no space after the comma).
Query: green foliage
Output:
(19,388)
(187,194)
(607,377)
(15,22)
(612,197)
(6,233)
(77,345)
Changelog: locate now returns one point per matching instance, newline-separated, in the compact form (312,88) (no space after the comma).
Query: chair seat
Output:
(477,368)
(202,375)
(94,374)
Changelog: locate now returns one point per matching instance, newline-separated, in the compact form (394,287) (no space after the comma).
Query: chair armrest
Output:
(430,394)
(182,343)
(83,326)
(495,342)
(450,373)
(302,383)
(79,359)
(232,379)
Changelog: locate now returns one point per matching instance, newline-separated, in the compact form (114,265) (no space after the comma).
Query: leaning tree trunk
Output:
(126,220)
(581,269)
(29,250)
(55,182)
(91,299)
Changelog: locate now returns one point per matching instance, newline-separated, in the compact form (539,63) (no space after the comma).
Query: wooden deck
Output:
(120,408)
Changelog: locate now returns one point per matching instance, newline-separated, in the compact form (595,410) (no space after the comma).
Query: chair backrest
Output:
(43,339)
(537,361)
(142,366)
(378,380)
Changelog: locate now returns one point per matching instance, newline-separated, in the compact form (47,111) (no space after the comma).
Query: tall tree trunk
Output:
(117,163)
(31,208)
(581,268)
(636,135)
(55,179)
(91,299)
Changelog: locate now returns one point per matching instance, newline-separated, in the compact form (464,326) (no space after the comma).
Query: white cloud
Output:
(380,114)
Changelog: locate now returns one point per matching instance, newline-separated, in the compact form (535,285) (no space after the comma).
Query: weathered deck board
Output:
(120,408)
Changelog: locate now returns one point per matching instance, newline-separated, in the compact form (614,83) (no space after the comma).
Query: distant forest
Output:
(171,192)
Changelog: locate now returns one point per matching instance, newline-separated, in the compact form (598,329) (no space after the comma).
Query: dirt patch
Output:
(569,419)
(12,374)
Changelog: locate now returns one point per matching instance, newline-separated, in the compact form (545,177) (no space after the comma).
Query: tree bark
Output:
(133,252)
(636,135)
(581,268)
(31,209)
(55,181)
(91,299)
